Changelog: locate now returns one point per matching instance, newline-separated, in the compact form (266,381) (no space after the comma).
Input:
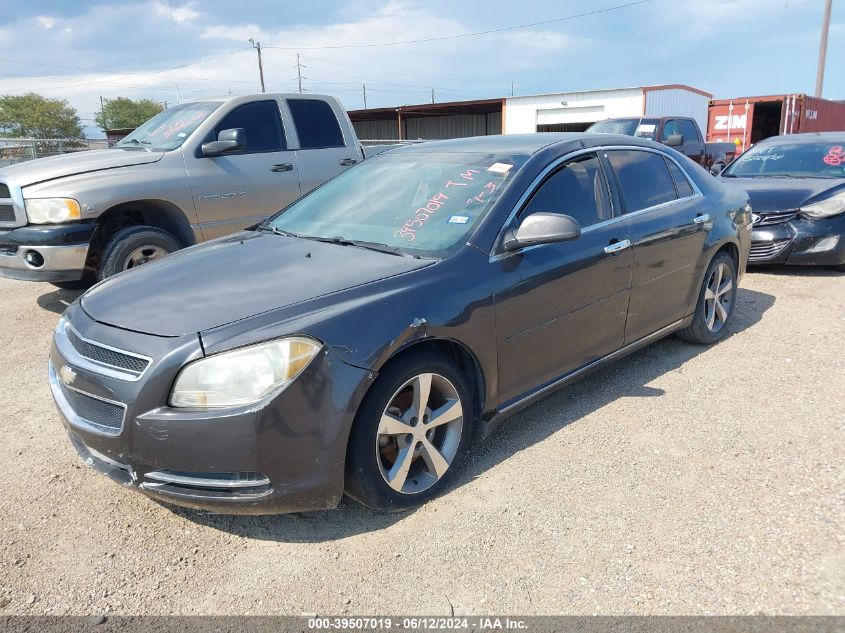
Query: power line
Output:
(462,35)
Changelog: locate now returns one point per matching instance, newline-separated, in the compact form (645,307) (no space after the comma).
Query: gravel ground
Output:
(681,480)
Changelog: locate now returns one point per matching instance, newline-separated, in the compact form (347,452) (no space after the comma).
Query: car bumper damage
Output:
(285,454)
(45,253)
(787,238)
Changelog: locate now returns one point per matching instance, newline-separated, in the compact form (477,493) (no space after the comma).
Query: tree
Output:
(32,115)
(122,113)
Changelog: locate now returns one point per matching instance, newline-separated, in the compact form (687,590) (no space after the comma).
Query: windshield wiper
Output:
(370,246)
(137,143)
(276,230)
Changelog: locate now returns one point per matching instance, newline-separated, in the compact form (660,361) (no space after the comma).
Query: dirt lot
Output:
(680,480)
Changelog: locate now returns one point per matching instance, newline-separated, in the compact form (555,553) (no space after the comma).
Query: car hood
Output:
(43,169)
(782,194)
(234,278)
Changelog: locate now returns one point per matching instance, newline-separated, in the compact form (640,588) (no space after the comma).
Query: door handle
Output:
(282,167)
(701,219)
(346,162)
(621,245)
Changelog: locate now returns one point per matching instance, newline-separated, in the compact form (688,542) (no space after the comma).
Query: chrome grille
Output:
(778,217)
(105,355)
(763,251)
(7,213)
(100,415)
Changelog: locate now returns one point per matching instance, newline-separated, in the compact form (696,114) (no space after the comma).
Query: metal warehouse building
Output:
(558,112)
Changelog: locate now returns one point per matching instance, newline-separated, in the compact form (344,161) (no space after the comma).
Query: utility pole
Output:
(257,47)
(511,88)
(103,111)
(364,86)
(823,48)
(432,95)
(299,76)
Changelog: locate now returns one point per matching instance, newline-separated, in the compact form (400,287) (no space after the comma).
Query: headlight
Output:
(52,210)
(825,208)
(242,376)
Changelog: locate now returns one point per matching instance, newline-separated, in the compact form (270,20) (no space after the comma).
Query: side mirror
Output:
(542,228)
(717,168)
(227,141)
(675,140)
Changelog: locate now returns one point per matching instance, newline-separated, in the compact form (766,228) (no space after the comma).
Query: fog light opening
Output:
(34,259)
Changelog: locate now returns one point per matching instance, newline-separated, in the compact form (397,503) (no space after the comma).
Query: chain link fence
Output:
(18,150)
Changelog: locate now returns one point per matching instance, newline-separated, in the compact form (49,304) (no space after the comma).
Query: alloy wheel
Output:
(143,255)
(419,433)
(718,297)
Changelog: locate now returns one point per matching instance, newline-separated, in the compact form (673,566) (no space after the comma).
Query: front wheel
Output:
(410,433)
(716,302)
(135,246)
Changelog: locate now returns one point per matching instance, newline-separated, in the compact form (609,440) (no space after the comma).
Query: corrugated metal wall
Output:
(677,102)
(376,130)
(822,115)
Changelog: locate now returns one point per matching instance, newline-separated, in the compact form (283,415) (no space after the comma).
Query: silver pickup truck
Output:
(192,173)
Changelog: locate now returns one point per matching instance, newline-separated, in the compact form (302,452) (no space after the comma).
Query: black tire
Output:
(123,243)
(699,331)
(365,482)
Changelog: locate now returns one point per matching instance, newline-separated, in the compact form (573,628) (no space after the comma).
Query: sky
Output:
(176,51)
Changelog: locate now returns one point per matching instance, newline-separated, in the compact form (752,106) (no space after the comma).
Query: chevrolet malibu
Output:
(357,341)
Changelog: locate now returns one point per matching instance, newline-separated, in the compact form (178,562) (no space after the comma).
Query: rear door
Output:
(237,189)
(561,306)
(323,151)
(668,224)
(693,145)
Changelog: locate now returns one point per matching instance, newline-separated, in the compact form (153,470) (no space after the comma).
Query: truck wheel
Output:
(135,246)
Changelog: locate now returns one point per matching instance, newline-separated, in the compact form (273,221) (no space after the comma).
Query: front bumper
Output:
(800,242)
(45,253)
(286,454)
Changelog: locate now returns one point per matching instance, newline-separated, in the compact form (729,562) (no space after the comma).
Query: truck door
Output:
(323,152)
(693,145)
(239,188)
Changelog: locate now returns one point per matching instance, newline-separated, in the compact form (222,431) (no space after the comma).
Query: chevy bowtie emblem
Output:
(67,375)
(755,218)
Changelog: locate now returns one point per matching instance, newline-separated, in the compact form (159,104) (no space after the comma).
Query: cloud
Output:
(185,13)
(48,22)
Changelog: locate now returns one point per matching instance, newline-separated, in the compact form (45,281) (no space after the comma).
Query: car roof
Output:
(808,137)
(522,143)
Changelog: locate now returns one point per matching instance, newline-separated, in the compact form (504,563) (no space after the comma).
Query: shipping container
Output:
(748,120)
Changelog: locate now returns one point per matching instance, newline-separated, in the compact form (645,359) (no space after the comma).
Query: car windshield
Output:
(641,128)
(168,130)
(423,204)
(790,160)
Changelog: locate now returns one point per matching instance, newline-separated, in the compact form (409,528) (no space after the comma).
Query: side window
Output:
(670,127)
(316,124)
(577,189)
(643,177)
(262,123)
(682,185)
(686,128)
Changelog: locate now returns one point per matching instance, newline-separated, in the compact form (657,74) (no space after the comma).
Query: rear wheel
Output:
(411,431)
(716,302)
(135,246)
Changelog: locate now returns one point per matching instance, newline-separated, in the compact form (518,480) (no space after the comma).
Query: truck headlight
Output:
(242,376)
(52,210)
(826,208)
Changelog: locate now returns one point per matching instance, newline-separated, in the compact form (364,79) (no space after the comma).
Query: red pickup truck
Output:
(682,133)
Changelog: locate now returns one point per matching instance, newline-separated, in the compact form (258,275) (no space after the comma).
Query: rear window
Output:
(316,124)
(644,178)
(682,185)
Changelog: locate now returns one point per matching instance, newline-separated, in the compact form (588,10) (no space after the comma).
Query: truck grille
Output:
(7,213)
(100,415)
(764,251)
(106,355)
(4,190)
(778,217)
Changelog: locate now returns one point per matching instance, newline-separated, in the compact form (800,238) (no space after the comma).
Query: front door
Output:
(240,188)
(561,306)
(668,226)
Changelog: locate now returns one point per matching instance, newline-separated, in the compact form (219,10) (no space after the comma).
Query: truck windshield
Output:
(785,159)
(416,203)
(641,128)
(168,130)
